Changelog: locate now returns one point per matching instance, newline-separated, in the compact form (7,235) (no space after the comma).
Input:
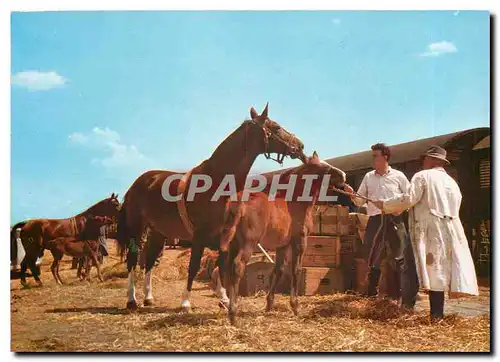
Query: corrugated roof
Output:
(484,143)
(400,153)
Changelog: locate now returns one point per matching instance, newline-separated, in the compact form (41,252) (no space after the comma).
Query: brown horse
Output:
(84,246)
(199,219)
(35,233)
(277,224)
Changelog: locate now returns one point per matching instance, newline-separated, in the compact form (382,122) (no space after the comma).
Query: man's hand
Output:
(350,190)
(379,204)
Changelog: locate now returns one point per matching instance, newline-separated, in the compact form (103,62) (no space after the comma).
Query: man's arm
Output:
(404,184)
(363,191)
(404,201)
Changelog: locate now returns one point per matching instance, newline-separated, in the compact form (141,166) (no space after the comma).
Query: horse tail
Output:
(232,217)
(122,230)
(13,240)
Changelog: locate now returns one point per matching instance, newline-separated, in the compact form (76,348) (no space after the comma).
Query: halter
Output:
(269,135)
(74,225)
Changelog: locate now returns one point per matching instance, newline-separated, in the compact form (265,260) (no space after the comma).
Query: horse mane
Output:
(88,211)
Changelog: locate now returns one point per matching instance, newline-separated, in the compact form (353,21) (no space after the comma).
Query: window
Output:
(484,173)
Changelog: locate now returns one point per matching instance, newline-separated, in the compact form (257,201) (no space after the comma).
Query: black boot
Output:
(373,279)
(436,300)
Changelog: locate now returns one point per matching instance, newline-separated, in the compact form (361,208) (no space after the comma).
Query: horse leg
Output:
(220,290)
(132,258)
(35,270)
(94,257)
(154,249)
(79,271)
(57,271)
(24,267)
(88,268)
(275,276)
(238,259)
(53,270)
(82,268)
(194,267)
(298,250)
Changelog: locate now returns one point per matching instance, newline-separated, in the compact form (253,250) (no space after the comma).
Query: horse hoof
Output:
(132,305)
(148,302)
(232,319)
(223,305)
(25,285)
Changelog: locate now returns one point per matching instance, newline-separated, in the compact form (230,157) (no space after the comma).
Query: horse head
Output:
(107,207)
(93,225)
(276,139)
(314,165)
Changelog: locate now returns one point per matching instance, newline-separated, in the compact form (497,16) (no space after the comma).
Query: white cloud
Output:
(117,154)
(439,48)
(78,137)
(34,80)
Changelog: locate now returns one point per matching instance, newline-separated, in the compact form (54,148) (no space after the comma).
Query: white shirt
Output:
(381,187)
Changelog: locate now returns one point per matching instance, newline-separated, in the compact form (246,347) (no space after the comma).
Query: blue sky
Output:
(97,98)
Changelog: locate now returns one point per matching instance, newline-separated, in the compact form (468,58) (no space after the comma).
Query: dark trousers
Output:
(393,242)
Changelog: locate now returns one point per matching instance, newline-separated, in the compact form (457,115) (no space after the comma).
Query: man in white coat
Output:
(443,259)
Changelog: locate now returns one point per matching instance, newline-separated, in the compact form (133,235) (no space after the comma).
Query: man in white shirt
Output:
(442,254)
(387,234)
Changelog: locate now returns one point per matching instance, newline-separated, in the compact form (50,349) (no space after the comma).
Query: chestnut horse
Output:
(35,233)
(278,225)
(84,246)
(198,219)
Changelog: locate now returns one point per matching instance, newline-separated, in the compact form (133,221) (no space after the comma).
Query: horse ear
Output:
(265,111)
(315,155)
(253,113)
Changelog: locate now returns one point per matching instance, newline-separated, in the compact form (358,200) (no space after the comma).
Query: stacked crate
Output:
(327,262)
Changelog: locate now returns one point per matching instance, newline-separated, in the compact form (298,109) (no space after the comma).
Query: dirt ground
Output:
(83,316)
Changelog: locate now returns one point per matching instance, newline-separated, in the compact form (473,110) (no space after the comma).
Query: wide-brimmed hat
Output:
(436,152)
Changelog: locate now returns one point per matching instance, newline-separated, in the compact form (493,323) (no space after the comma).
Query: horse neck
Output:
(299,185)
(235,155)
(81,219)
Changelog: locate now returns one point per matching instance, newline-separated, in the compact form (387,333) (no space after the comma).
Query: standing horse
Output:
(35,233)
(280,224)
(84,246)
(197,219)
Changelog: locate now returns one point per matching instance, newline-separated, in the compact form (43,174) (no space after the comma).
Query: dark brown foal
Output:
(85,247)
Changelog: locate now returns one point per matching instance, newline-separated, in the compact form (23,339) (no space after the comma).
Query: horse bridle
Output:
(270,135)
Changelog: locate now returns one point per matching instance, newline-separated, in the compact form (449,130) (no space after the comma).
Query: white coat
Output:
(442,254)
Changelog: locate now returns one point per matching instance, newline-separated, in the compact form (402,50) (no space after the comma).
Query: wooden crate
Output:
(331,220)
(258,278)
(328,251)
(322,251)
(315,281)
